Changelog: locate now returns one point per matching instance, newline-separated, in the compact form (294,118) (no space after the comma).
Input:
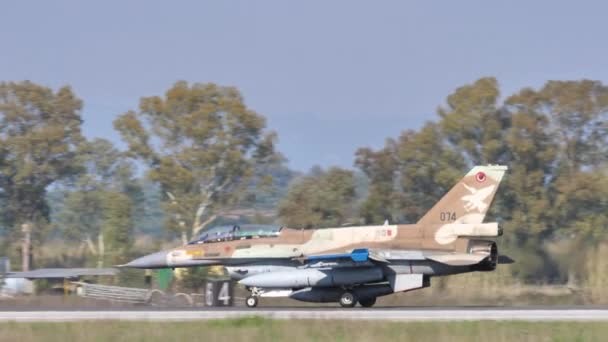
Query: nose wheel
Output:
(254,298)
(251,301)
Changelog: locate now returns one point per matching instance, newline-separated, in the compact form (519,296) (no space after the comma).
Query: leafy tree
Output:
(381,169)
(98,209)
(148,215)
(578,113)
(525,194)
(269,184)
(557,145)
(408,175)
(554,140)
(117,226)
(474,123)
(39,135)
(201,144)
(555,189)
(323,199)
(428,169)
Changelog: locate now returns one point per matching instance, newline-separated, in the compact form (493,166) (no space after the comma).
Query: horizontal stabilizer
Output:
(458,259)
(505,260)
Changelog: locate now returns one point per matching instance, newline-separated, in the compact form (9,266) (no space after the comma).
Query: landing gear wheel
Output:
(348,300)
(251,301)
(367,302)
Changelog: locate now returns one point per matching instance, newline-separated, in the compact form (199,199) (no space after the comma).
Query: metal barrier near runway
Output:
(114,293)
(331,314)
(217,293)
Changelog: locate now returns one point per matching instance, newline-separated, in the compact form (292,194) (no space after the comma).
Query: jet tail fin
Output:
(468,201)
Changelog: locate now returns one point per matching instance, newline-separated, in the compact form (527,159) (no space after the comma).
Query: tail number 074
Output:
(447,216)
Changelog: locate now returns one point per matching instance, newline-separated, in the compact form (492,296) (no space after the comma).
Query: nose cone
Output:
(154,260)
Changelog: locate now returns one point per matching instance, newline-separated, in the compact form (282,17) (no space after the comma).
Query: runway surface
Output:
(405,315)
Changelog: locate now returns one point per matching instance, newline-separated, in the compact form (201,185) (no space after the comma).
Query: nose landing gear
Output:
(251,301)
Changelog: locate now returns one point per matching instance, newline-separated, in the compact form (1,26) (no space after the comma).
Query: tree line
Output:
(554,140)
(198,150)
(198,144)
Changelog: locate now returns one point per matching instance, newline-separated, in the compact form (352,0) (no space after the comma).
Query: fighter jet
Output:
(351,265)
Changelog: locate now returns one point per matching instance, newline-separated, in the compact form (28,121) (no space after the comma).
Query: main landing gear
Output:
(349,300)
(367,302)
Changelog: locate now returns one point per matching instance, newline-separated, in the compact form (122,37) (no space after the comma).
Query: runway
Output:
(403,315)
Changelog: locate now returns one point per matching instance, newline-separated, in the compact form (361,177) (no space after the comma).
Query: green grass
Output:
(259,329)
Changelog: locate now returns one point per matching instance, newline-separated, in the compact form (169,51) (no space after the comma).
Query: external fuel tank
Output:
(314,277)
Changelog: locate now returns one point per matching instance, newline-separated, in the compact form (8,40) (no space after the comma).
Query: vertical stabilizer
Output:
(469,200)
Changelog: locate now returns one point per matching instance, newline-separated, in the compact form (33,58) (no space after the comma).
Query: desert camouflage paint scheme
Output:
(356,264)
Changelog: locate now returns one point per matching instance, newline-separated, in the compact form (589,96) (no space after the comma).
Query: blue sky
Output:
(330,76)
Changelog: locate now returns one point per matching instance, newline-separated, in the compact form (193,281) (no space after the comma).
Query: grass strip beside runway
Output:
(260,329)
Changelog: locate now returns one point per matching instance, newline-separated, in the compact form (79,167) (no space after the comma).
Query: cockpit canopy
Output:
(237,232)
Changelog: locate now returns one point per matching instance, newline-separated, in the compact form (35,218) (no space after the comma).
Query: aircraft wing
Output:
(388,255)
(448,258)
(357,255)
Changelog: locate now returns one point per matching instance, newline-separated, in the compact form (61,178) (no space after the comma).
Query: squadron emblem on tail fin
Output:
(477,198)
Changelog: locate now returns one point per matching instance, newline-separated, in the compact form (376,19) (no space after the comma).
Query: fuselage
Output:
(350,264)
(294,248)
